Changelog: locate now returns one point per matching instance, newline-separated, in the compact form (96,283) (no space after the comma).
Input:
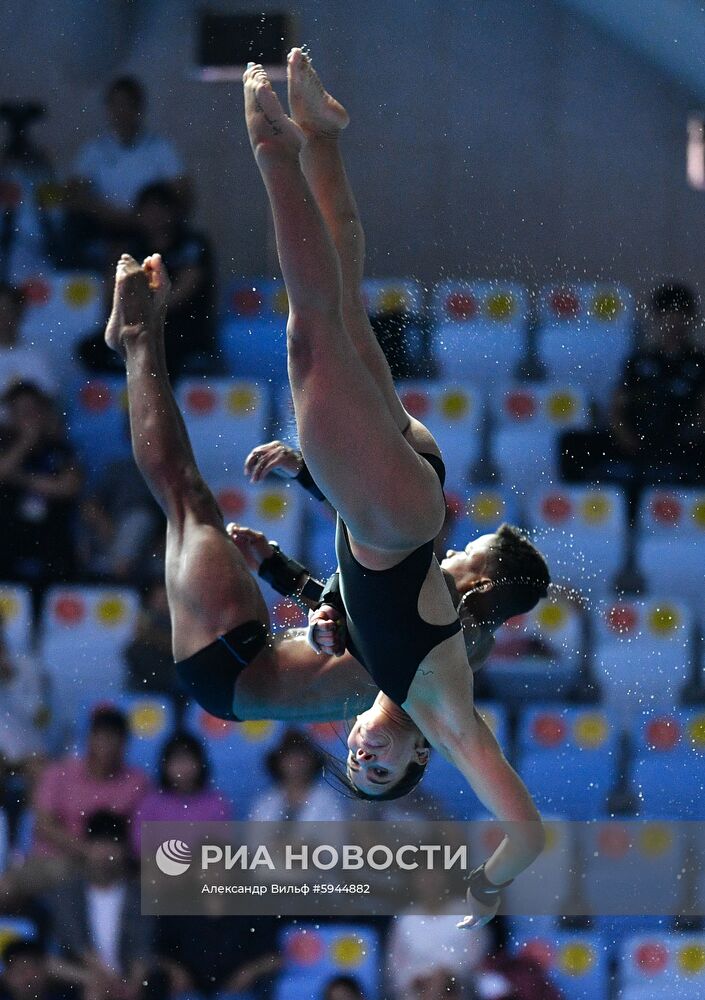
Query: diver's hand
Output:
(266,458)
(326,630)
(480,913)
(253,545)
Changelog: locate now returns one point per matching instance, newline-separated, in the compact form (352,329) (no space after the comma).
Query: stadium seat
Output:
(63,307)
(225,420)
(568,758)
(480,331)
(668,770)
(632,868)
(83,633)
(319,530)
(444,781)
(392,295)
(581,530)
(452,411)
(16,619)
(236,751)
(478,511)
(252,335)
(671,543)
(663,965)
(537,656)
(313,954)
(527,421)
(275,507)
(642,653)
(97,412)
(585,334)
(576,962)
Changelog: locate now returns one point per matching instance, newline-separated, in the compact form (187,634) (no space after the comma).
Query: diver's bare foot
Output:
(312,107)
(270,130)
(139,299)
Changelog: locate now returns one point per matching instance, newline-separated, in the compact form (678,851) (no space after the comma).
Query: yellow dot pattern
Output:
(500,306)
(147,720)
(551,617)
(79,293)
(576,959)
(392,300)
(9,607)
(607,306)
(455,405)
(241,401)
(486,508)
(272,506)
(561,407)
(591,730)
(691,959)
(664,620)
(696,731)
(257,731)
(596,508)
(280,303)
(699,513)
(111,611)
(655,839)
(347,952)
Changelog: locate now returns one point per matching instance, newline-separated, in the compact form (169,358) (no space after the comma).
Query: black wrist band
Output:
(312,590)
(481,887)
(331,594)
(281,572)
(305,479)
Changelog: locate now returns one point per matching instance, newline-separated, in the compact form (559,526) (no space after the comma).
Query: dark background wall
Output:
(495,137)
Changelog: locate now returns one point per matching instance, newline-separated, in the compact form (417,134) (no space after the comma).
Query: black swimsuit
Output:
(385,631)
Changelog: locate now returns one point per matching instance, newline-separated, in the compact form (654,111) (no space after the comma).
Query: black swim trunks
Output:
(209,675)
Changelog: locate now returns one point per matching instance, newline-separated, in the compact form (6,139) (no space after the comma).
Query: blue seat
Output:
(97,411)
(313,954)
(567,757)
(575,961)
(236,751)
(252,334)
(668,771)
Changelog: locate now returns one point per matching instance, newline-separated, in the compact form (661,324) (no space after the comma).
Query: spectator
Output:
(118,521)
(23,707)
(18,362)
(419,947)
(39,486)
(149,657)
(343,988)
(74,787)
(658,413)
(111,170)
(184,792)
(27,974)
(103,942)
(295,767)
(219,953)
(161,228)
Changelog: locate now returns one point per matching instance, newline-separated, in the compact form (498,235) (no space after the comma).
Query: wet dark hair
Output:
(520,576)
(294,739)
(337,776)
(106,825)
(189,743)
(675,298)
(131,86)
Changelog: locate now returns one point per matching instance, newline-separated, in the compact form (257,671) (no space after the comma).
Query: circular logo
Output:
(173,857)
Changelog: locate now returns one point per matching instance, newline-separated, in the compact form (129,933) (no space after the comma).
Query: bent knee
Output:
(191,499)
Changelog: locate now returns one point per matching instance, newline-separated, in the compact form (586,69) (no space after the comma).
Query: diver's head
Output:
(387,753)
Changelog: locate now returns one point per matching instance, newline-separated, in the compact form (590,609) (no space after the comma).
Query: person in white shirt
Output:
(111,169)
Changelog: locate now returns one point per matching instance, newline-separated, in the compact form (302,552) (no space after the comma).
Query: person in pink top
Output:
(184,791)
(69,790)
